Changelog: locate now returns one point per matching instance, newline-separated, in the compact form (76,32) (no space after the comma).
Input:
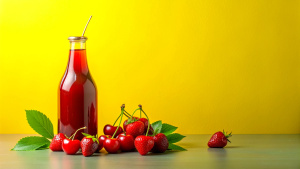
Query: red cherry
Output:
(125,123)
(145,121)
(101,141)
(110,130)
(70,146)
(111,145)
(126,142)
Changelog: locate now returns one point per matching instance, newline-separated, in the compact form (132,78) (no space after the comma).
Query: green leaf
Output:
(157,126)
(174,138)
(131,120)
(85,134)
(40,123)
(46,146)
(167,129)
(176,147)
(95,140)
(31,143)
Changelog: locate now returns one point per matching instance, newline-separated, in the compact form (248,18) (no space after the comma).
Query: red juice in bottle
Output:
(77,94)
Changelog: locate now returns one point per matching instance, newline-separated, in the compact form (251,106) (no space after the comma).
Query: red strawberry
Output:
(126,121)
(135,129)
(144,144)
(56,143)
(218,140)
(161,143)
(126,142)
(89,145)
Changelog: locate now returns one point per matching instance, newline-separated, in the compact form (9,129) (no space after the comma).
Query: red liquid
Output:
(77,103)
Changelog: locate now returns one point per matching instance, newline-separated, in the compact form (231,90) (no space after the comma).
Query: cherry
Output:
(126,142)
(145,121)
(71,146)
(101,141)
(110,130)
(111,145)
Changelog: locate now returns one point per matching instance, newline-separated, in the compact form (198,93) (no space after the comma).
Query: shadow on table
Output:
(217,152)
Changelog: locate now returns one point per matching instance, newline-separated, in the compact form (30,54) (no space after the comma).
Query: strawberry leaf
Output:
(95,140)
(174,138)
(167,129)
(157,127)
(40,123)
(31,143)
(176,147)
(85,134)
(131,120)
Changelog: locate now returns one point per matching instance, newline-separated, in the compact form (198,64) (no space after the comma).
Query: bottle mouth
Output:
(77,38)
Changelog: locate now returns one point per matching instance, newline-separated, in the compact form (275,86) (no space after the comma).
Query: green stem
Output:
(148,122)
(140,113)
(127,114)
(122,110)
(135,111)
(76,132)
(117,119)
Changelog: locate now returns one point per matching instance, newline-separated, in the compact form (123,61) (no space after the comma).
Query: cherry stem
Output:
(148,121)
(122,112)
(140,114)
(135,111)
(127,114)
(120,116)
(76,132)
(117,119)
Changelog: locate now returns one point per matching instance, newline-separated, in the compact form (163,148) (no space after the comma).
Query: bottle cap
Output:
(75,38)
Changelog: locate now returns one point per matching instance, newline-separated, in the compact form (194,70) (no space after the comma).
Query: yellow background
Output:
(200,65)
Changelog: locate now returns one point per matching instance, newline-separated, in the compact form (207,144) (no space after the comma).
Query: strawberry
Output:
(89,144)
(130,120)
(143,144)
(161,143)
(218,140)
(56,143)
(135,129)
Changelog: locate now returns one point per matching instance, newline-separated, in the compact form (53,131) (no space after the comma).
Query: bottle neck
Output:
(77,57)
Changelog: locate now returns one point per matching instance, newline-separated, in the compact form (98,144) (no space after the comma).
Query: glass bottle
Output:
(77,94)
